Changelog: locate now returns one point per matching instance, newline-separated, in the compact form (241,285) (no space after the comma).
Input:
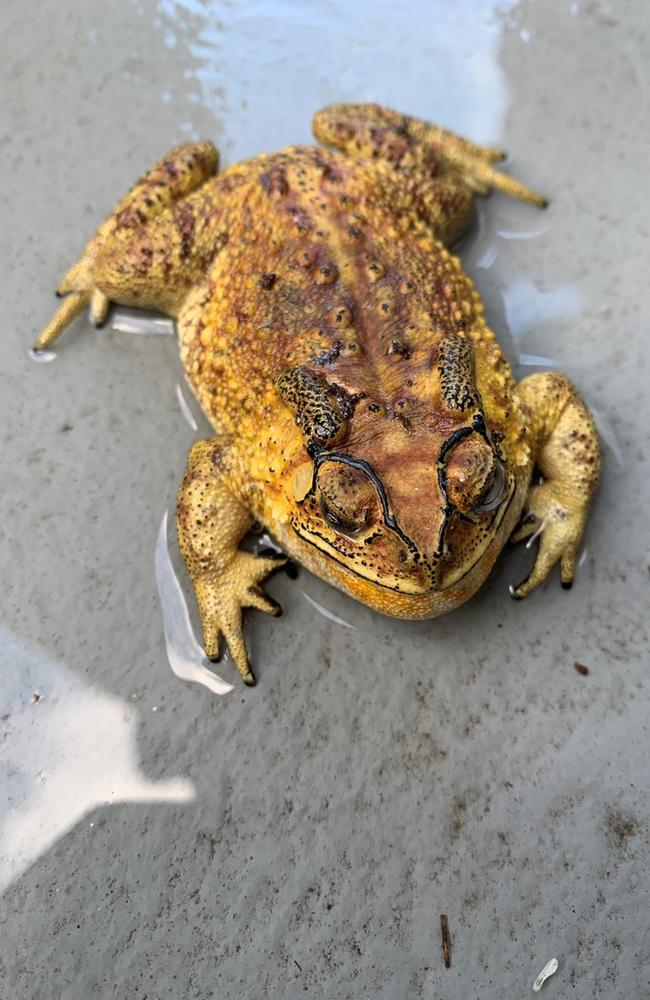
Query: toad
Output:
(363,410)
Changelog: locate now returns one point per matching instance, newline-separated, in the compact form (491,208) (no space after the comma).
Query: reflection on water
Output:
(237,57)
(263,540)
(185,409)
(530,308)
(536,361)
(122,320)
(68,748)
(185,655)
(41,357)
(140,321)
(325,612)
(494,226)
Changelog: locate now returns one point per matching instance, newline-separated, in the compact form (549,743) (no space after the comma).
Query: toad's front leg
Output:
(567,453)
(211,521)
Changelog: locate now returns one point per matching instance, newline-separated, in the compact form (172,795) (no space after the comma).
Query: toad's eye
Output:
(475,479)
(339,522)
(348,501)
(494,491)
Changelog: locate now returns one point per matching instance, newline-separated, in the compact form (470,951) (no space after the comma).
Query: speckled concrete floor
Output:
(303,837)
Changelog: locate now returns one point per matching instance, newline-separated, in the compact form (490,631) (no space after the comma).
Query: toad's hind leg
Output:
(414,146)
(211,521)
(184,169)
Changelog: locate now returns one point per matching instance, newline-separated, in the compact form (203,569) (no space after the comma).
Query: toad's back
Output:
(330,265)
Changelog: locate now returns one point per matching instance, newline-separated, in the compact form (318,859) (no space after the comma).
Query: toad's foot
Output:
(566,452)
(378,133)
(559,523)
(181,171)
(222,597)
(211,521)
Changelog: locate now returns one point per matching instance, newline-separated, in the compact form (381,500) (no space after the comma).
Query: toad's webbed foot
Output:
(221,598)
(567,453)
(559,523)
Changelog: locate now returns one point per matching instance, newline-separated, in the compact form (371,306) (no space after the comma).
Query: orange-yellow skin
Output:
(364,412)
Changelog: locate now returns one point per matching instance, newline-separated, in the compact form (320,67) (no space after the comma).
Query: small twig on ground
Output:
(446,944)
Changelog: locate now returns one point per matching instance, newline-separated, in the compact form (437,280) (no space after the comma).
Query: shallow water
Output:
(185,655)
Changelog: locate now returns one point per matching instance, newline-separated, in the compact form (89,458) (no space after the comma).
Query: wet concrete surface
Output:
(303,837)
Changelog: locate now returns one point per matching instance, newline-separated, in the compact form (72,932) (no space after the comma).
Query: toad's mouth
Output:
(426,574)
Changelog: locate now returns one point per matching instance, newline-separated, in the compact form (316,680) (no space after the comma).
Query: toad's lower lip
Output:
(403,588)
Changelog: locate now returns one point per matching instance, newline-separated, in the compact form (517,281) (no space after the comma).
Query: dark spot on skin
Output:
(267,281)
(274,181)
(170,168)
(327,273)
(375,269)
(305,258)
(342,316)
(143,260)
(331,174)
(184,219)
